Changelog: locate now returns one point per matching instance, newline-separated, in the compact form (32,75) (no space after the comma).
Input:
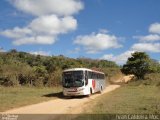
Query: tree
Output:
(154,66)
(138,65)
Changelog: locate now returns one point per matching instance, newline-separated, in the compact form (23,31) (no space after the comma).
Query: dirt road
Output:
(60,106)
(124,79)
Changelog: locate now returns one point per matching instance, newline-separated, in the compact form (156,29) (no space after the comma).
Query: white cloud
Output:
(54,17)
(35,40)
(154,28)
(119,59)
(108,57)
(51,24)
(44,53)
(76,50)
(42,30)
(16,32)
(94,43)
(47,7)
(147,47)
(149,43)
(148,38)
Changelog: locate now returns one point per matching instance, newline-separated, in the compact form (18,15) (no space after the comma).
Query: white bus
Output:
(82,81)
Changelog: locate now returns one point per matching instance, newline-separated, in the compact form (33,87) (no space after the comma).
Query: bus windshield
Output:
(73,79)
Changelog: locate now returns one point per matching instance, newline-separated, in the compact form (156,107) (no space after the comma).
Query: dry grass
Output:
(11,97)
(136,97)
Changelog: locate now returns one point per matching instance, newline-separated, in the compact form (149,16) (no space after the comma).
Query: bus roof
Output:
(83,69)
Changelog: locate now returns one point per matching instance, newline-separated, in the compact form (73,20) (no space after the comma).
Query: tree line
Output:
(24,69)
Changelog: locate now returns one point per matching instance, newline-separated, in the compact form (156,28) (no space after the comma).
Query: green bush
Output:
(9,81)
(55,78)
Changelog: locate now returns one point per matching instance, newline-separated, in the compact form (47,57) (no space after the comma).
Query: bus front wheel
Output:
(90,92)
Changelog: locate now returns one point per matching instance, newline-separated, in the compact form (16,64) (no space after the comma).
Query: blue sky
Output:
(99,29)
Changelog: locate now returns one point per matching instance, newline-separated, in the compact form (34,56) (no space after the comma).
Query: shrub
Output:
(39,82)
(149,79)
(10,81)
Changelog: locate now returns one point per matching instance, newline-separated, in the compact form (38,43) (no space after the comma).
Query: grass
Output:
(12,97)
(129,100)
(136,97)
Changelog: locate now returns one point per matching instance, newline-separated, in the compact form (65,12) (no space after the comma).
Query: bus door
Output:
(86,78)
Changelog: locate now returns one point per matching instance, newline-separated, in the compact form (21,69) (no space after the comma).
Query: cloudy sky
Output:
(99,29)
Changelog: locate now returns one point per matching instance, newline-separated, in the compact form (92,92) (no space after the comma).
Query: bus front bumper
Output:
(71,92)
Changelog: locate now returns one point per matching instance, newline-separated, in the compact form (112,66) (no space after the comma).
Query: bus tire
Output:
(101,89)
(90,91)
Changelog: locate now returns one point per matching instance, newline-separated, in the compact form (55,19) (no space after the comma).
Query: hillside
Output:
(24,69)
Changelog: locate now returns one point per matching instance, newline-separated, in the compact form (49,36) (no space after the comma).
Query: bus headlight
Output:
(80,89)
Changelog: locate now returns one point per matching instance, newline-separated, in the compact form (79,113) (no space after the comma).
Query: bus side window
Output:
(98,75)
(95,75)
(89,75)
(92,75)
(86,78)
(101,76)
